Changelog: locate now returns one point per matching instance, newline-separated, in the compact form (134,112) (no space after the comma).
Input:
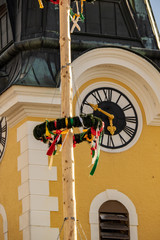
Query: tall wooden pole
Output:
(68,179)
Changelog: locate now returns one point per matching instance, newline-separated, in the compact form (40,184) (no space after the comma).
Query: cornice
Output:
(19,102)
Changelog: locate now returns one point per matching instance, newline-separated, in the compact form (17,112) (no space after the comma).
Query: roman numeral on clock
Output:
(2,141)
(108,94)
(110,142)
(131,119)
(129,131)
(97,96)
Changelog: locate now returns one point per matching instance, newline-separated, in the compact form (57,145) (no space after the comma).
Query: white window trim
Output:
(5,223)
(112,194)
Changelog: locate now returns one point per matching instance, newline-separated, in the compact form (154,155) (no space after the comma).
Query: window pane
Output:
(4,30)
(108,18)
(92,17)
(0,35)
(121,25)
(10,36)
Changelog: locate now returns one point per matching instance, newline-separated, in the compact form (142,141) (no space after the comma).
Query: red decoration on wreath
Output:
(53,1)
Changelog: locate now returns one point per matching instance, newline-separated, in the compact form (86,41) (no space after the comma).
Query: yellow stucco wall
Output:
(135,172)
(1,228)
(9,182)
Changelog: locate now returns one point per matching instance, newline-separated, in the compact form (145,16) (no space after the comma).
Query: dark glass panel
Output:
(120,23)
(4,30)
(108,18)
(52,21)
(92,17)
(10,35)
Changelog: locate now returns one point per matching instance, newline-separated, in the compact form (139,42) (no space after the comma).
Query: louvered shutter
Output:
(114,222)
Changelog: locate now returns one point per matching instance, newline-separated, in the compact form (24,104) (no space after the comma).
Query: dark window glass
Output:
(10,36)
(92,17)
(5,28)
(121,25)
(108,18)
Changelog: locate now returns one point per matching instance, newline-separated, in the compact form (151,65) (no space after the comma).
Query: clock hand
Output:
(110,128)
(95,107)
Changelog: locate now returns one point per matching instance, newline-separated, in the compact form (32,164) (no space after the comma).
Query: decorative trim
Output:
(19,102)
(112,194)
(34,188)
(126,67)
(5,223)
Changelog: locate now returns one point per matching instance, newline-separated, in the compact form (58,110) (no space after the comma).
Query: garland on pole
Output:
(51,133)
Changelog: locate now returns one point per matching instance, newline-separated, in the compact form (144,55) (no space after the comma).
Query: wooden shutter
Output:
(113,221)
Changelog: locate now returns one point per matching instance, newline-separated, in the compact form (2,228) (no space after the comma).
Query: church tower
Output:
(115,65)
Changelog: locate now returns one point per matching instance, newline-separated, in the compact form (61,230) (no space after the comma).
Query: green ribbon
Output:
(96,161)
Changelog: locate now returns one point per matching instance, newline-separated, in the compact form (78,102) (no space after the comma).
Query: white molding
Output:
(19,102)
(126,67)
(112,194)
(42,233)
(5,222)
(34,188)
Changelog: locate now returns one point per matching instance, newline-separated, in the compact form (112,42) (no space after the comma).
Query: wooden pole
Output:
(68,179)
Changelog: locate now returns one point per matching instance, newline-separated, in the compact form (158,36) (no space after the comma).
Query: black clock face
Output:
(125,119)
(3,135)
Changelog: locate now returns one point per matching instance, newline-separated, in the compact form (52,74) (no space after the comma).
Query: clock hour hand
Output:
(110,128)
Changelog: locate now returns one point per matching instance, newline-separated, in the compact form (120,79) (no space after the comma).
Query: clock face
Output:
(126,120)
(3,135)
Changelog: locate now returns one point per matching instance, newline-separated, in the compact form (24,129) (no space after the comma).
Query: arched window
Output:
(113,221)
(115,204)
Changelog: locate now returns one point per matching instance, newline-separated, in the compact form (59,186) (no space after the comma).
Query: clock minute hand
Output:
(95,107)
(110,128)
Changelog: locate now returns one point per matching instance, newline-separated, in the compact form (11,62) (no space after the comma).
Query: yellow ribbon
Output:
(47,132)
(41,4)
(82,5)
(89,139)
(66,121)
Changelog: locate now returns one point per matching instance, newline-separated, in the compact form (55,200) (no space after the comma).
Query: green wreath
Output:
(51,133)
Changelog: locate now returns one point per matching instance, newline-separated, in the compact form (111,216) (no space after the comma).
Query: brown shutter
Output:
(113,221)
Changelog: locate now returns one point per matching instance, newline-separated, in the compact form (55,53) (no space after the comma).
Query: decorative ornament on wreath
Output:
(51,132)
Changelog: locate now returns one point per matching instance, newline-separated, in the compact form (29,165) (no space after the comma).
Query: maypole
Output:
(68,178)
(52,132)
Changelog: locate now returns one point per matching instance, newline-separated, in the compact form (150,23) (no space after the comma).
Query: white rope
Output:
(82,229)
(61,228)
(64,142)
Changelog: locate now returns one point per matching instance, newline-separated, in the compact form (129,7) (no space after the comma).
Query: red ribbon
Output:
(52,147)
(55,124)
(54,2)
(74,142)
(93,131)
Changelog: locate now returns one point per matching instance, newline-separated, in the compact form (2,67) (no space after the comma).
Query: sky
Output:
(156,11)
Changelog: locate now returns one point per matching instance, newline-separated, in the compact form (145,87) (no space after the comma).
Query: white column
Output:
(34,188)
